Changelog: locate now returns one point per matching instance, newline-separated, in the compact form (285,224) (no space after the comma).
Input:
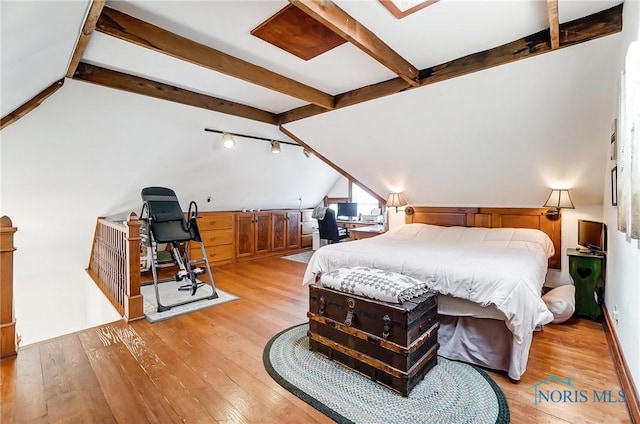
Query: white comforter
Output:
(504,267)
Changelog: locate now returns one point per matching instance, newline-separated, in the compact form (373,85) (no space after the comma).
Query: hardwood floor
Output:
(207,366)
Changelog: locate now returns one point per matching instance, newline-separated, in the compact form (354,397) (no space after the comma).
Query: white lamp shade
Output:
(396,199)
(559,199)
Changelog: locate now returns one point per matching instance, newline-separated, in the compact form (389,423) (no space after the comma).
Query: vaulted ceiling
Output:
(203,54)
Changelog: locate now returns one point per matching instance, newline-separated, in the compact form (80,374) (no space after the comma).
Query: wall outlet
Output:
(615,313)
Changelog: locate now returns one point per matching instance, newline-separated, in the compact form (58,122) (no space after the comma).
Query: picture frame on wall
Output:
(614,137)
(614,186)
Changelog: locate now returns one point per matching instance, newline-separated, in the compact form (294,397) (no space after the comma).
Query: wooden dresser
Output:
(232,236)
(218,235)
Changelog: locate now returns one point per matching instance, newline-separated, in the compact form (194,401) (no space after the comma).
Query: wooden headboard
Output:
(491,218)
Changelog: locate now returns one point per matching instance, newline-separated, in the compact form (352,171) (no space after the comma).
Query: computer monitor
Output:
(347,210)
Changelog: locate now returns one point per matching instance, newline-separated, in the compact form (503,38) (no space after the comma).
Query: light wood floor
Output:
(207,366)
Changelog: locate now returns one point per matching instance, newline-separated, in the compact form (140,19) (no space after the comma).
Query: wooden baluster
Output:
(8,339)
(133,299)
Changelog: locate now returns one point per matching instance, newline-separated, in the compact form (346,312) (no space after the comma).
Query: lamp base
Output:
(552,214)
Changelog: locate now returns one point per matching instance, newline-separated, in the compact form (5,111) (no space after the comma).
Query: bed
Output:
(487,264)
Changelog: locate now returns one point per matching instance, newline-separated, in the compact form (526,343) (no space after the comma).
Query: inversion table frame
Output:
(167,224)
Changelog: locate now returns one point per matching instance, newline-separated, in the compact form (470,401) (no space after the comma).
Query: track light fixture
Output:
(307,153)
(227,141)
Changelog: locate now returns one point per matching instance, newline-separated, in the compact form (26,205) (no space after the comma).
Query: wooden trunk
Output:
(395,344)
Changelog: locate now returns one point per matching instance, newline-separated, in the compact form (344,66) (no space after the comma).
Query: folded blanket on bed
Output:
(374,283)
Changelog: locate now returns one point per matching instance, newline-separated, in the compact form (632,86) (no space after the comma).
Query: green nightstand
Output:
(587,271)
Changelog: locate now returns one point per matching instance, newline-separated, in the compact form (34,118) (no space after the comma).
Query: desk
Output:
(587,271)
(360,233)
(353,224)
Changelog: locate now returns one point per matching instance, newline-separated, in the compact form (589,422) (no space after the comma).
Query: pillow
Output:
(561,301)
(374,283)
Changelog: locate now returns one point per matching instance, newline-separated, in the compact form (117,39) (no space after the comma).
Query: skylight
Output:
(402,8)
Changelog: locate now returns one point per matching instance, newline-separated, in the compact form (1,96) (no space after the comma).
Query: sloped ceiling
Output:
(500,136)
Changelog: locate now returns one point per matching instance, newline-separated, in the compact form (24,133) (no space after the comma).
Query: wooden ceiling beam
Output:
(588,28)
(554,26)
(337,20)
(353,97)
(31,104)
(138,85)
(331,164)
(87,29)
(133,30)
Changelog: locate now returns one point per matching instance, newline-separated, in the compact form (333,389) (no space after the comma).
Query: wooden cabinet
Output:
(253,233)
(587,270)
(286,230)
(293,230)
(279,232)
(217,233)
(229,236)
(307,226)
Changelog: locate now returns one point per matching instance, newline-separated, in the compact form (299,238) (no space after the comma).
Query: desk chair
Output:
(166,223)
(329,230)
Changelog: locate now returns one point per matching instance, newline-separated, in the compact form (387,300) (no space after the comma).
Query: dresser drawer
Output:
(216,237)
(215,221)
(215,253)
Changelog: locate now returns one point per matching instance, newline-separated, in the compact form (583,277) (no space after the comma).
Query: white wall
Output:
(88,151)
(623,257)
(340,188)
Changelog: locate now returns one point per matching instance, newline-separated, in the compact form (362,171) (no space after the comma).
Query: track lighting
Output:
(306,153)
(227,141)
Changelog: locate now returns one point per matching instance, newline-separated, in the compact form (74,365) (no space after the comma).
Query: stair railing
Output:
(114,264)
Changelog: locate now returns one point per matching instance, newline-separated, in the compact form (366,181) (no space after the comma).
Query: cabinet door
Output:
(245,238)
(293,230)
(279,230)
(262,228)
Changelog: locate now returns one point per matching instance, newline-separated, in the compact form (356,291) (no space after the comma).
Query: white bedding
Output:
(501,268)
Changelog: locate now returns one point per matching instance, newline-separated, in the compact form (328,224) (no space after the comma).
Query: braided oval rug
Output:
(452,392)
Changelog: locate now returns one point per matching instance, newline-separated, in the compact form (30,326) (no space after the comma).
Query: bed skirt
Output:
(484,342)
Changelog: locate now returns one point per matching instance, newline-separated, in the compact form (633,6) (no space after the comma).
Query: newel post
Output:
(8,339)
(133,305)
